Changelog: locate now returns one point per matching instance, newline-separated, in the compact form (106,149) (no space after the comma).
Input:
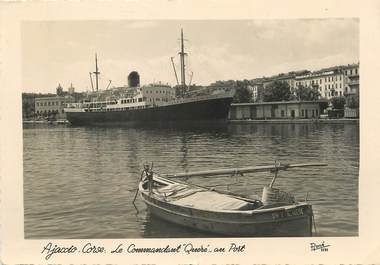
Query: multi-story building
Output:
(329,83)
(260,84)
(334,81)
(53,105)
(351,72)
(256,87)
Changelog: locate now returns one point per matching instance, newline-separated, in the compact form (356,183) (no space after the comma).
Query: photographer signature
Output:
(321,247)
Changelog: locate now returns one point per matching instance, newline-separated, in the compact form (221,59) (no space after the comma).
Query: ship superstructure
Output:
(156,102)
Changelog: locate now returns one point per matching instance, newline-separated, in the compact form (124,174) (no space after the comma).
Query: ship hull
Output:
(206,110)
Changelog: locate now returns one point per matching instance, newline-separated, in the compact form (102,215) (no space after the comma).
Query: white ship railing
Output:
(81,107)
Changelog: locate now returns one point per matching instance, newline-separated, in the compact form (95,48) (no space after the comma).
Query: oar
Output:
(137,189)
(242,170)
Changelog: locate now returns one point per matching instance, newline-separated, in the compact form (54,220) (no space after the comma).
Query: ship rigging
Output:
(151,102)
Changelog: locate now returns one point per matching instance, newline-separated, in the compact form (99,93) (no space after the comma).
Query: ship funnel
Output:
(133,79)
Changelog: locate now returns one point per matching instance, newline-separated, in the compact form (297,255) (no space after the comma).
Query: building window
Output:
(282,113)
(302,113)
(340,93)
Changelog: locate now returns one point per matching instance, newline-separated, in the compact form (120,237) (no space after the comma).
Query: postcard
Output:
(189,132)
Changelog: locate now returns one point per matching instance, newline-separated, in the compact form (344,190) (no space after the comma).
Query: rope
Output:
(313,220)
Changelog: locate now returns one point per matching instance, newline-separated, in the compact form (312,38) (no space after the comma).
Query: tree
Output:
(338,102)
(277,91)
(243,94)
(28,105)
(353,101)
(307,93)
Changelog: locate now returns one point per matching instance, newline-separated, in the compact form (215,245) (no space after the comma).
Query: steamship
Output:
(152,103)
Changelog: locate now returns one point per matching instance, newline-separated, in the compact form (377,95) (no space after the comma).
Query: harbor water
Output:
(79,182)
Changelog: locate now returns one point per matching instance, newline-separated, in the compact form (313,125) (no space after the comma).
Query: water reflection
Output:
(88,176)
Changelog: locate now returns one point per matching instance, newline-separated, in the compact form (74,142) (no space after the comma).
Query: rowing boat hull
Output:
(291,220)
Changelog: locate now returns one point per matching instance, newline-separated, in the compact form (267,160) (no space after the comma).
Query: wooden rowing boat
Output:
(201,208)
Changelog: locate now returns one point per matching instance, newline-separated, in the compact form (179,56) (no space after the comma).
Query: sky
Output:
(63,52)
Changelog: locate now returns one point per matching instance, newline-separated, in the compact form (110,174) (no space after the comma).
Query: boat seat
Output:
(208,200)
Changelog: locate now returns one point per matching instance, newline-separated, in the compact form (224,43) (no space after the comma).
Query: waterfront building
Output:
(329,83)
(351,71)
(157,93)
(51,105)
(277,110)
(334,81)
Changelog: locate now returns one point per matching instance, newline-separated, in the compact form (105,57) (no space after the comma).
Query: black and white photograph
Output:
(189,132)
(152,129)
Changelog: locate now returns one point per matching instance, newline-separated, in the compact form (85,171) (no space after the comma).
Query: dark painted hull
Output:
(205,110)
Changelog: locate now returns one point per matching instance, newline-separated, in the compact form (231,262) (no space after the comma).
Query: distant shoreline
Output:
(284,121)
(330,121)
(45,122)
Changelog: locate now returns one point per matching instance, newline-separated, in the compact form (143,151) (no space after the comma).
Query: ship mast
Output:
(182,56)
(96,72)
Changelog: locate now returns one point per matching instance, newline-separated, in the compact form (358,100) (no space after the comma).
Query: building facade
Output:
(157,94)
(51,106)
(256,87)
(331,82)
(277,110)
(351,72)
